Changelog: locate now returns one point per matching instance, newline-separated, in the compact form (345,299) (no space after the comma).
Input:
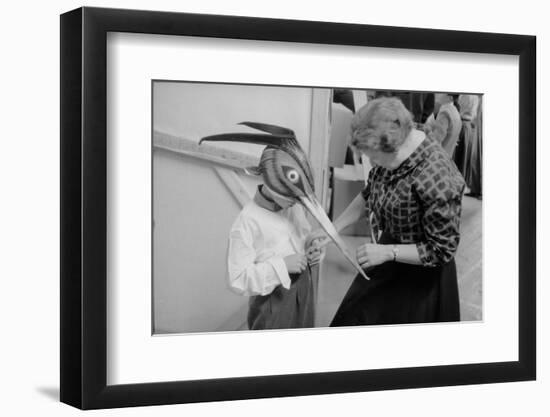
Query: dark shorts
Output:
(284,309)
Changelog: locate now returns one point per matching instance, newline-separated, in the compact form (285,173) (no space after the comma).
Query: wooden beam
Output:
(207,152)
(235,184)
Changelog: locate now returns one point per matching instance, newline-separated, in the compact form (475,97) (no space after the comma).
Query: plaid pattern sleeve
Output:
(439,188)
(441,224)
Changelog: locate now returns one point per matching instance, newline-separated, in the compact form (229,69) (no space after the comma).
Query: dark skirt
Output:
(473,161)
(284,309)
(401,293)
(468,156)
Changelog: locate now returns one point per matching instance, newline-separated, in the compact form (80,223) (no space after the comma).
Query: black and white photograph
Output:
(275,208)
(282,207)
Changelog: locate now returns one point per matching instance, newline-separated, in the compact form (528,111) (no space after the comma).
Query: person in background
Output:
(427,107)
(269,262)
(455,101)
(444,124)
(344,97)
(468,159)
(413,198)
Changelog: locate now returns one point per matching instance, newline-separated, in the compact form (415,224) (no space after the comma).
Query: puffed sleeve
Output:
(246,275)
(441,198)
(440,127)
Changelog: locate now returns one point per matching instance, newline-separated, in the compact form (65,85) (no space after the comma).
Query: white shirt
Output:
(258,242)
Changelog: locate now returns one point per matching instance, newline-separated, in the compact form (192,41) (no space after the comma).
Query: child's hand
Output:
(315,252)
(295,264)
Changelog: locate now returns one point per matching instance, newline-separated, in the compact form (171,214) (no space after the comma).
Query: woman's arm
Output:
(441,225)
(407,254)
(372,254)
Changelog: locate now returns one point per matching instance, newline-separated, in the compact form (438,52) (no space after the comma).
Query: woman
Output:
(413,197)
(444,124)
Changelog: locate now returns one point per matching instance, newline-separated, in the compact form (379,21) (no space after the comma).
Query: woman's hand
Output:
(371,254)
(295,264)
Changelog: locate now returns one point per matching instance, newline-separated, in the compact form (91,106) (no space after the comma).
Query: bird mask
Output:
(285,169)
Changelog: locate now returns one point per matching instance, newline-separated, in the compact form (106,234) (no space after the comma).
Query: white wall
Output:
(193,213)
(195,110)
(29,174)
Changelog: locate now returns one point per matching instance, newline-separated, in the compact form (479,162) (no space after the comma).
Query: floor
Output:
(468,260)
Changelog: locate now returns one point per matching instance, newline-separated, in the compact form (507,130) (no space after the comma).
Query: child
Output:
(269,262)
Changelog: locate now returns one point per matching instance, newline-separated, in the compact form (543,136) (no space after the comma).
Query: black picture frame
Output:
(84,207)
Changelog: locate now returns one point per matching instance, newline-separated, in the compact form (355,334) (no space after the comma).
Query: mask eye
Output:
(293,176)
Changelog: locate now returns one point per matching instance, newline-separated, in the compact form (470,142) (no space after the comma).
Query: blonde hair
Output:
(382,124)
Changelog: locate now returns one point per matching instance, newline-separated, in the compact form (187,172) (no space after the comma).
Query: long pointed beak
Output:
(315,209)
